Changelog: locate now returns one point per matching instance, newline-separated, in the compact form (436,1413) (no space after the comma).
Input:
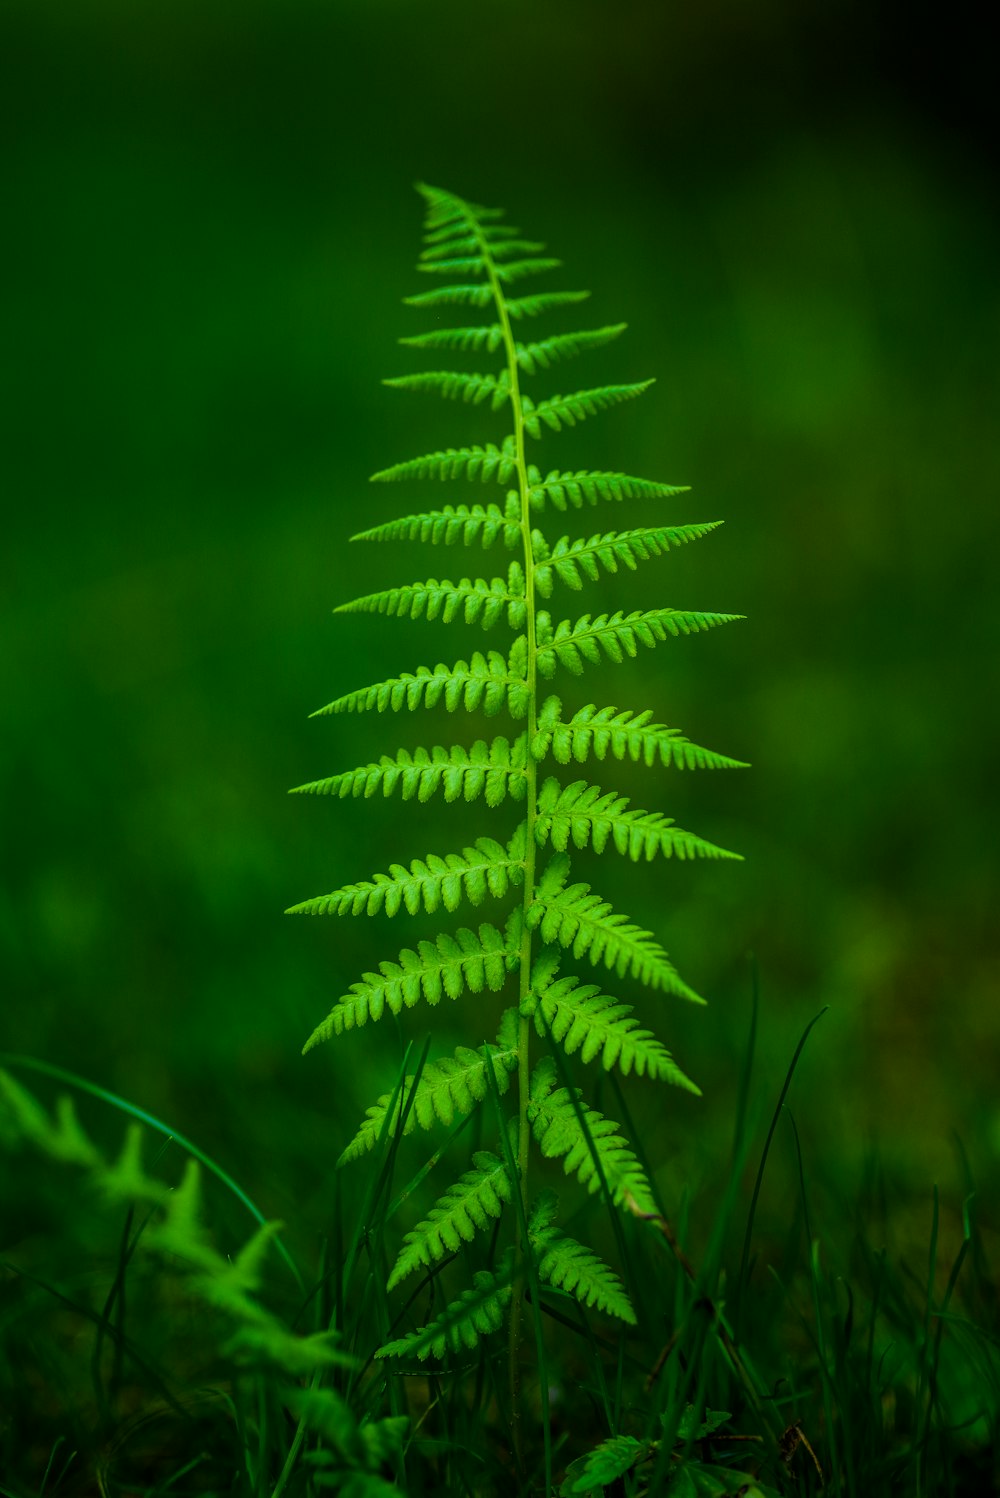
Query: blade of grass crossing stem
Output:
(748,1235)
(173,1135)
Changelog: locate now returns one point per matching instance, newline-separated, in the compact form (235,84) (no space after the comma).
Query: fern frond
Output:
(566,490)
(451,525)
(542,301)
(568,1266)
(588,925)
(583,1019)
(446,208)
(474,600)
(454,1084)
(454,384)
(587,815)
(566,410)
(446,966)
(567,559)
(489,683)
(470,1204)
(541,355)
(462,1324)
(615,635)
(468,244)
(497,769)
(564,1125)
(466,340)
(483,462)
(594,730)
(477,294)
(487,868)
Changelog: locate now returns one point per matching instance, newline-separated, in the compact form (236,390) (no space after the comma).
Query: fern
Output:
(480,258)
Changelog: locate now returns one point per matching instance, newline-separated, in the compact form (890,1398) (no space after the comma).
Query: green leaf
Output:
(444,967)
(573,562)
(565,1127)
(454,384)
(614,635)
(534,356)
(565,490)
(478,294)
(475,601)
(594,730)
(566,410)
(479,462)
(454,1084)
(461,1325)
(498,769)
(586,815)
(586,924)
(583,1019)
(568,1266)
(467,340)
(543,301)
(450,526)
(487,868)
(484,682)
(604,1465)
(476,1199)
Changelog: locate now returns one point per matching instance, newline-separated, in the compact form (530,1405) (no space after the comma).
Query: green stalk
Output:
(531,805)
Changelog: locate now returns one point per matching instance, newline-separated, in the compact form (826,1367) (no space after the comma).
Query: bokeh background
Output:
(210,227)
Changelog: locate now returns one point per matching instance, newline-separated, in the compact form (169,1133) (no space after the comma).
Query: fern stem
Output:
(531,809)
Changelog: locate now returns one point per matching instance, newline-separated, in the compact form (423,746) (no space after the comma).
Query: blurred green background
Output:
(210,226)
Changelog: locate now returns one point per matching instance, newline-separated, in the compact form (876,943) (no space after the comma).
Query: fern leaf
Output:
(475,601)
(468,244)
(586,924)
(488,683)
(454,384)
(470,1204)
(478,294)
(485,868)
(587,815)
(594,730)
(566,410)
(541,355)
(566,490)
(454,1084)
(498,769)
(583,1019)
(543,301)
(518,270)
(565,1126)
(446,966)
(479,462)
(466,340)
(568,1266)
(614,635)
(449,526)
(567,559)
(445,208)
(462,1324)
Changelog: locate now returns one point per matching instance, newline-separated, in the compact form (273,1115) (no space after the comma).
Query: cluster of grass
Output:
(160,1338)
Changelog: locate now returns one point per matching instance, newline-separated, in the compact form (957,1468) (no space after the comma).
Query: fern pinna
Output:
(483,260)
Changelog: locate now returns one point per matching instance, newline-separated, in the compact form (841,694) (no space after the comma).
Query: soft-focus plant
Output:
(554,919)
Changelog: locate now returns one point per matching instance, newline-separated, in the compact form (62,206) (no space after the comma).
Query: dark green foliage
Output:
(481,257)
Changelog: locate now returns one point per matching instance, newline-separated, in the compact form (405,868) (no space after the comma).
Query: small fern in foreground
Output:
(537,816)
